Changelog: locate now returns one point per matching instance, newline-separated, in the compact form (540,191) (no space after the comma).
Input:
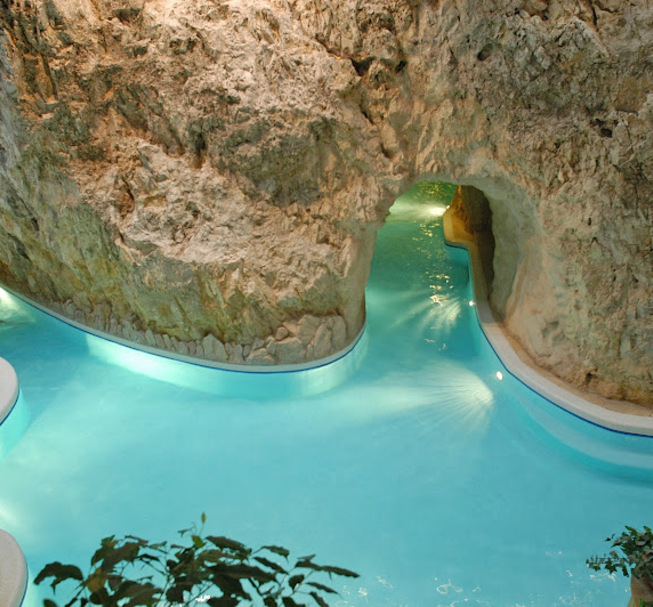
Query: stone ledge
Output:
(611,414)
(13,571)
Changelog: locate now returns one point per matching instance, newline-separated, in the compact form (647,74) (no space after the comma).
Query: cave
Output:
(202,192)
(206,181)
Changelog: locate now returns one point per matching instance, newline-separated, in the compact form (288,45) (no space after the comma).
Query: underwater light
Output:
(438,211)
(499,375)
(11,309)
(7,300)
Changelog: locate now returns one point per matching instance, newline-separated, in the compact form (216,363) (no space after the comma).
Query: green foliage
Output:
(213,570)
(634,555)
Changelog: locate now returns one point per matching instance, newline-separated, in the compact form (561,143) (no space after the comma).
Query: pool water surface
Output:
(408,460)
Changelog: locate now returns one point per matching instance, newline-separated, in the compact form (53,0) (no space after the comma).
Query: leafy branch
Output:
(633,556)
(216,570)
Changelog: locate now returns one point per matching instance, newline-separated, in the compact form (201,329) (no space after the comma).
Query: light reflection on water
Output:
(229,383)
(408,460)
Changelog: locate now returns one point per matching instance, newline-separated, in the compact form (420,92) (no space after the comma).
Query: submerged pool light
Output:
(7,300)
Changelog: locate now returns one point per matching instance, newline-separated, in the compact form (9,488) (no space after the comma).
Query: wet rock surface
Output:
(208,177)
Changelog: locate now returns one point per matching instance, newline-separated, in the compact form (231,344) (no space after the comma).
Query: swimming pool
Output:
(408,461)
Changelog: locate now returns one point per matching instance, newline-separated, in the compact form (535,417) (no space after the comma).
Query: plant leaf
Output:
(60,573)
(227,544)
(295,580)
(319,600)
(242,570)
(280,550)
(198,542)
(106,545)
(307,563)
(271,564)
(127,552)
(340,571)
(322,587)
(222,601)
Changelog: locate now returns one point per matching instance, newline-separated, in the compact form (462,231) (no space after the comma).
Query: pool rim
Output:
(13,571)
(8,388)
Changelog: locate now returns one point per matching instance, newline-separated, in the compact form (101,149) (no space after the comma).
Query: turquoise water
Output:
(407,461)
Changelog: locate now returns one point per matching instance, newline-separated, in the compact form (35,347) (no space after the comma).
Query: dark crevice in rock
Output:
(363,65)
(603,128)
(387,153)
(401,66)
(485,52)
(199,148)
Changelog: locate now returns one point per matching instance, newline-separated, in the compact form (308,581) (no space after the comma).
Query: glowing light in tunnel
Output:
(406,209)
(438,211)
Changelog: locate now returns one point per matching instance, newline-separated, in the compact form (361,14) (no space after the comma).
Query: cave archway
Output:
(470,219)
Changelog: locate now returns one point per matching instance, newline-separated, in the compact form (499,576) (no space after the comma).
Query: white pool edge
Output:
(13,572)
(583,408)
(13,569)
(8,388)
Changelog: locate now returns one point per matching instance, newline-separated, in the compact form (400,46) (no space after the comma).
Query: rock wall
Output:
(184,175)
(208,177)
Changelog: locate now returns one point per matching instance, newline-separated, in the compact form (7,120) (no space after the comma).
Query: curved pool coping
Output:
(554,391)
(8,388)
(13,571)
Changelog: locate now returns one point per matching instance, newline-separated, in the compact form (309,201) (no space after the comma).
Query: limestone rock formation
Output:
(208,177)
(184,175)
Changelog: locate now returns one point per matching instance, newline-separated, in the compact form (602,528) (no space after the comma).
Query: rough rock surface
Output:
(208,177)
